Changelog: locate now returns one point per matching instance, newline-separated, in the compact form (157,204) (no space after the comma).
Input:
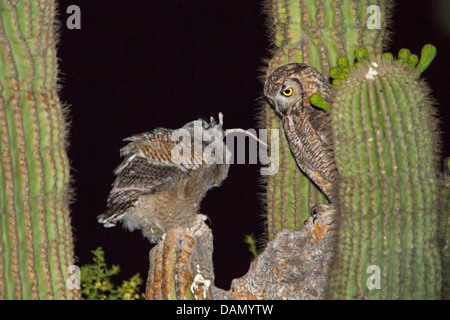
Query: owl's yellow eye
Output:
(288,92)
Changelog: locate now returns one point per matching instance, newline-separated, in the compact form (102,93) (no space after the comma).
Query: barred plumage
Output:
(159,186)
(289,89)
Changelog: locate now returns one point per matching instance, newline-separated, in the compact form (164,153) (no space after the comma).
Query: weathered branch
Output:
(181,264)
(294,265)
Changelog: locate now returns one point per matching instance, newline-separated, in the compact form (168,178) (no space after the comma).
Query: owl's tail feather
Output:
(107,220)
(114,214)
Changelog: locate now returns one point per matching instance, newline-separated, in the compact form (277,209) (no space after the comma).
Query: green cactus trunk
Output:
(444,238)
(385,149)
(315,32)
(385,141)
(36,245)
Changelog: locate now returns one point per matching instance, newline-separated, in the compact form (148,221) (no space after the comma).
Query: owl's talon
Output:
(323,213)
(314,214)
(313,211)
(315,219)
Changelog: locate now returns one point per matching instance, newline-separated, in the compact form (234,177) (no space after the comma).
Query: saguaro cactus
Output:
(36,245)
(388,190)
(444,236)
(385,147)
(316,33)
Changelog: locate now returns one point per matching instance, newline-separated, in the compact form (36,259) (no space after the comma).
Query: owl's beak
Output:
(281,109)
(212,123)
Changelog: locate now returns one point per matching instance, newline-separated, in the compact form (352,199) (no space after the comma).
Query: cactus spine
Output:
(36,238)
(385,148)
(315,32)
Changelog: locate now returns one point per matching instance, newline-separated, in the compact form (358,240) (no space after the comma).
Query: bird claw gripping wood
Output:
(321,222)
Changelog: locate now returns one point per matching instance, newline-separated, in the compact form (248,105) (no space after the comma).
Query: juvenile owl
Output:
(165,175)
(289,89)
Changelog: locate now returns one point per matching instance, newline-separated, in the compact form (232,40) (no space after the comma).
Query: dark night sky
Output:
(137,65)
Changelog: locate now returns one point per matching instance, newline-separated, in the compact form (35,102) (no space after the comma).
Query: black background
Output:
(137,65)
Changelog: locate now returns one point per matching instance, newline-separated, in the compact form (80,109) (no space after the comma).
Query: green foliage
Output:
(251,241)
(361,55)
(342,70)
(426,57)
(96,281)
(319,102)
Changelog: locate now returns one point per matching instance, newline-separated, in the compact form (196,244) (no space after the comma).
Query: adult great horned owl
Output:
(289,89)
(165,175)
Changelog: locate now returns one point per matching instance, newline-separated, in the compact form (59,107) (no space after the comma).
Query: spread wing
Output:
(148,168)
